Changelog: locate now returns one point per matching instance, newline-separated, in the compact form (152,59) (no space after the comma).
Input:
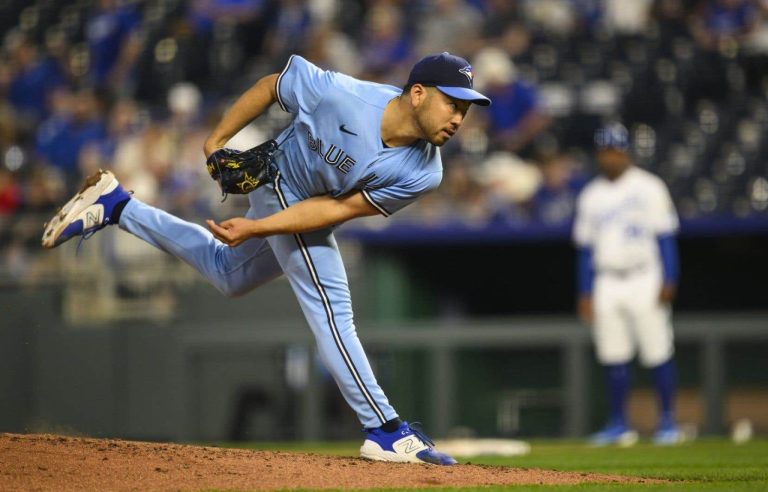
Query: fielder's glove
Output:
(239,172)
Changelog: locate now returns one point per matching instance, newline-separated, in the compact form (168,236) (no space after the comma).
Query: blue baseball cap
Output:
(612,136)
(451,75)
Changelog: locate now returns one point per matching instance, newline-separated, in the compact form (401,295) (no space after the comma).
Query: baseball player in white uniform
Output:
(627,278)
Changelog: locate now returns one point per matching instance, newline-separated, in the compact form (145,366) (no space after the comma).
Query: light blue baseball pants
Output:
(314,268)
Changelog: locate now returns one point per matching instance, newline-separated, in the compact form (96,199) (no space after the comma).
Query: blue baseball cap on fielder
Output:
(613,135)
(450,74)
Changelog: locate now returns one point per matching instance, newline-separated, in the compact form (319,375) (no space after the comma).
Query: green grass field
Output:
(707,464)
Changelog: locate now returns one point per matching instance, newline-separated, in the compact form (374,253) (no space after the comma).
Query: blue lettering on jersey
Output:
(614,213)
(319,154)
(633,231)
(333,155)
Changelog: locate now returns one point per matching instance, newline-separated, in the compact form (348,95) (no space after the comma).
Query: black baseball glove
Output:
(239,172)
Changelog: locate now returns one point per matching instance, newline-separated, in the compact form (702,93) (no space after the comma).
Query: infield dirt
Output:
(43,462)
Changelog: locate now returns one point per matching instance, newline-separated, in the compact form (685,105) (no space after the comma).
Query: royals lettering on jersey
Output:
(618,210)
(333,144)
(620,220)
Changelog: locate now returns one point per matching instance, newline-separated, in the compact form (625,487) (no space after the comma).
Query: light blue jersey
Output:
(333,145)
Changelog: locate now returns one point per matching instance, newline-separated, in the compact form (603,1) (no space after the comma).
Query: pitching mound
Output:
(48,462)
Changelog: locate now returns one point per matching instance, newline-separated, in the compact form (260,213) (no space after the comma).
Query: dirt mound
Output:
(49,462)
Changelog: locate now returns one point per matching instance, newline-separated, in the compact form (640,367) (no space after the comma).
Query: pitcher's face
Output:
(439,116)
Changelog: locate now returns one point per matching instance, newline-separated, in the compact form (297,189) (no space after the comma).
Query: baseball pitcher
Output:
(627,277)
(352,149)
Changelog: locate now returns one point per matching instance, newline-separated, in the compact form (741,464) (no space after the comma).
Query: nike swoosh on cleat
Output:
(344,129)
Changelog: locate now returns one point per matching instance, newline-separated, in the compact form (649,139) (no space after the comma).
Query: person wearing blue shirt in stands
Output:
(112,42)
(516,117)
(555,199)
(60,138)
(34,78)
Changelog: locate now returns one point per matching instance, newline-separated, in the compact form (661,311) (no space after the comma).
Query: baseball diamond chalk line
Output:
(51,462)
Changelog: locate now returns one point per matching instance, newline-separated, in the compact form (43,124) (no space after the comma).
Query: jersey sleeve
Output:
(390,199)
(585,271)
(583,233)
(664,219)
(301,85)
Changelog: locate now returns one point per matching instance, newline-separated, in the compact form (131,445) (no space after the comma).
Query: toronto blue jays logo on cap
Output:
(452,75)
(468,72)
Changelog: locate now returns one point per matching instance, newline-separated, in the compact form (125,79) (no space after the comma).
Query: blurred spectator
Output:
(719,24)
(508,182)
(589,14)
(228,33)
(34,77)
(719,28)
(449,25)
(290,29)
(515,40)
(174,53)
(627,18)
(554,17)
(142,161)
(187,187)
(758,37)
(114,42)
(555,200)
(75,122)
(205,13)
(8,130)
(333,50)
(564,18)
(494,189)
(499,16)
(756,51)
(503,27)
(123,121)
(671,17)
(515,117)
(459,196)
(43,189)
(386,46)
(10,192)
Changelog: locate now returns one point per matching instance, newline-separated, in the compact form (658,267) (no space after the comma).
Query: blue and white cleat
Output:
(617,434)
(408,444)
(87,212)
(669,435)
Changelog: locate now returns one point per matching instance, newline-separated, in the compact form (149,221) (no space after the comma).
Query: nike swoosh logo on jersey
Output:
(344,129)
